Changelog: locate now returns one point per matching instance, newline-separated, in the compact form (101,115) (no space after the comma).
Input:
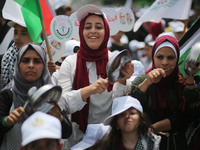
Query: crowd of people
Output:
(152,106)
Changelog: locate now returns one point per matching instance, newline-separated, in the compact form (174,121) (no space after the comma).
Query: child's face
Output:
(129,120)
(21,36)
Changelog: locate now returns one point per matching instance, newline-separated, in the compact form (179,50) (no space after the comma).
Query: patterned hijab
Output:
(8,64)
(161,96)
(20,85)
(81,79)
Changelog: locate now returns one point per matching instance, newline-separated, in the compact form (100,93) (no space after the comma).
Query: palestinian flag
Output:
(191,37)
(33,14)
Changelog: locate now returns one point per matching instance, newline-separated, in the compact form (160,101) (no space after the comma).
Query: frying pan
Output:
(115,64)
(37,99)
(192,58)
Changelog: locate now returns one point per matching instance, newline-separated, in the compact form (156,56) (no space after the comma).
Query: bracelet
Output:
(4,123)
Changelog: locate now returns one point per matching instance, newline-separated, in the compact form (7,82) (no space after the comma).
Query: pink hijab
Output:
(161,99)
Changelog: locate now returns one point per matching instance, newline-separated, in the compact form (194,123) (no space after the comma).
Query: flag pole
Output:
(185,25)
(44,32)
(46,40)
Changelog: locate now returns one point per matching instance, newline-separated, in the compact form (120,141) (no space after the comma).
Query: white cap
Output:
(69,47)
(85,10)
(39,126)
(121,104)
(177,26)
(148,38)
(59,3)
(151,43)
(138,69)
(93,134)
(135,45)
(12,24)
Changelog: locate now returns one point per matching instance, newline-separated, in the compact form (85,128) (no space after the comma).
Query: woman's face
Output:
(165,58)
(129,120)
(31,66)
(94,31)
(21,36)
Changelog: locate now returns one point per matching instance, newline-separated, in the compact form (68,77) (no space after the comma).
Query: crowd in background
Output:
(153,106)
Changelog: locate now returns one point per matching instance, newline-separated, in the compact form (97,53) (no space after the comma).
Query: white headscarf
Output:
(166,44)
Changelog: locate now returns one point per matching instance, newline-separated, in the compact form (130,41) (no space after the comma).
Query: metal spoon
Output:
(173,66)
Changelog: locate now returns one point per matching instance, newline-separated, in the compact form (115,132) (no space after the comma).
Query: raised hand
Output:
(99,86)
(15,116)
(127,71)
(52,67)
(155,75)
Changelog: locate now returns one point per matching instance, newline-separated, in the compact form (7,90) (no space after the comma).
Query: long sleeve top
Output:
(146,100)
(6,101)
(100,104)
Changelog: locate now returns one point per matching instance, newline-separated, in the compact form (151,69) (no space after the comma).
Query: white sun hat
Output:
(85,10)
(93,134)
(69,47)
(177,26)
(39,126)
(12,24)
(59,3)
(121,104)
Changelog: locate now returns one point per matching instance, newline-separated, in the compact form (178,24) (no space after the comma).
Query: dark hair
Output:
(63,10)
(56,140)
(113,140)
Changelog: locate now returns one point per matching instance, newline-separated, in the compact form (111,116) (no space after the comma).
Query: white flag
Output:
(12,11)
(128,4)
(191,41)
(173,9)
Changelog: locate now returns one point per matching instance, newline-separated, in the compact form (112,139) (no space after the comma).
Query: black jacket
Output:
(6,100)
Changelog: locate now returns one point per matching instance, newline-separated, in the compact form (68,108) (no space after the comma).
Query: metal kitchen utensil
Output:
(192,58)
(115,64)
(174,66)
(37,99)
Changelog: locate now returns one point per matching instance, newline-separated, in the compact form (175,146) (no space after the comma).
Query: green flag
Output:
(32,14)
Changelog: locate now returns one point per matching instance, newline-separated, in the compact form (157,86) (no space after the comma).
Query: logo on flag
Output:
(164,4)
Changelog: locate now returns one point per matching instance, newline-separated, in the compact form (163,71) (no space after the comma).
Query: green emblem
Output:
(163,4)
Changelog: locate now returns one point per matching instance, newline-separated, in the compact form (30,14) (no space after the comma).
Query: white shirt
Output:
(138,69)
(55,76)
(6,41)
(100,104)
